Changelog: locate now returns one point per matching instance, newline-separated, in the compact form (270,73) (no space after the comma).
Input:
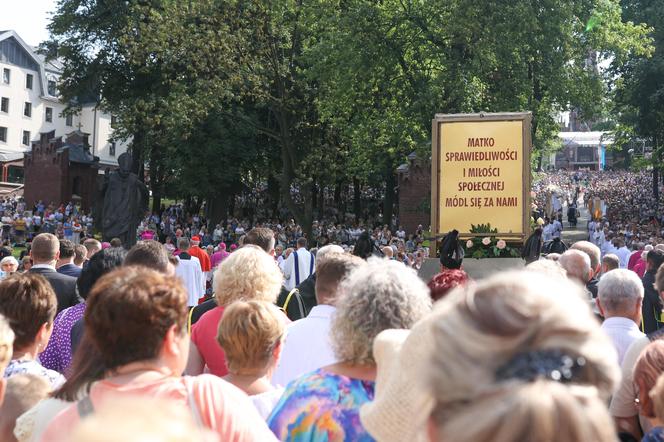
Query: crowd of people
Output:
(253,332)
(174,223)
(122,352)
(619,204)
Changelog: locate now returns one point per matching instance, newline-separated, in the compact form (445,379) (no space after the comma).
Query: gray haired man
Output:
(620,295)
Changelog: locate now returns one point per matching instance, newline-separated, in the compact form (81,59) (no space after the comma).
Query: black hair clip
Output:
(555,365)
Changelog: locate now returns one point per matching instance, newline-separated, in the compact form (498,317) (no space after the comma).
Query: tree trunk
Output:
(273,192)
(156,199)
(314,196)
(339,203)
(321,202)
(137,153)
(357,202)
(388,202)
(231,205)
(218,207)
(337,193)
(156,176)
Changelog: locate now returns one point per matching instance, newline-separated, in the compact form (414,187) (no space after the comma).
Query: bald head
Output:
(593,253)
(45,249)
(577,265)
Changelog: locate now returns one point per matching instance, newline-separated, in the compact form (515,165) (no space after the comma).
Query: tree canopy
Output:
(313,95)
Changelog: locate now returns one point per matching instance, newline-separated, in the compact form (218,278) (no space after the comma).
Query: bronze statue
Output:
(123,202)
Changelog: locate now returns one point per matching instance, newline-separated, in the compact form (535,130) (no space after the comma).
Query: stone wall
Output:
(414,180)
(44,170)
(52,177)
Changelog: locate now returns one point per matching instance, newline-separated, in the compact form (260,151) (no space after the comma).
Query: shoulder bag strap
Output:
(300,304)
(295,292)
(191,313)
(85,407)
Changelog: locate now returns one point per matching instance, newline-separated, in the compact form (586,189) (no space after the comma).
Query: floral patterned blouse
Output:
(322,406)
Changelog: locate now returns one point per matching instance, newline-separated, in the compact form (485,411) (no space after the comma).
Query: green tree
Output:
(386,68)
(640,85)
(160,66)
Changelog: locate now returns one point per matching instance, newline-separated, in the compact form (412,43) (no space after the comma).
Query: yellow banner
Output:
(481,175)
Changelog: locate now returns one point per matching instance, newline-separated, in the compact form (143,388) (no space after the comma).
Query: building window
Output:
(27,109)
(3,134)
(69,120)
(28,81)
(114,120)
(4,105)
(26,137)
(52,90)
(49,114)
(6,75)
(111,150)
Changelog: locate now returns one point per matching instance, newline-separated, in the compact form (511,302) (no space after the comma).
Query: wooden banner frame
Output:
(526,119)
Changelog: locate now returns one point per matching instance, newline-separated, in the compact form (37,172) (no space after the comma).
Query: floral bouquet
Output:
(488,246)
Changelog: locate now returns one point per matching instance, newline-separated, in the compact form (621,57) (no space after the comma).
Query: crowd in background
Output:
(257,334)
(120,352)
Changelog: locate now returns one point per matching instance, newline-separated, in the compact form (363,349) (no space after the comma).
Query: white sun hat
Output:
(402,403)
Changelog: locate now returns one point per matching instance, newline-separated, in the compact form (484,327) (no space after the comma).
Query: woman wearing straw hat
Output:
(324,405)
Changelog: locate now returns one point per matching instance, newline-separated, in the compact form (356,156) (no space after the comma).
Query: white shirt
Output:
(607,247)
(623,253)
(622,332)
(305,259)
(193,278)
(307,346)
(31,425)
(265,402)
(43,266)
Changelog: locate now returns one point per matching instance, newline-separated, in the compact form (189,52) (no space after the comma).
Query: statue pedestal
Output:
(476,268)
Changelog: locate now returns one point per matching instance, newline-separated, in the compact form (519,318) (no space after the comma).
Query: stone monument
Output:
(122,203)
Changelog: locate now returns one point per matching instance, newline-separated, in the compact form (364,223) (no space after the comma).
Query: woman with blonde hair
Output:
(249,274)
(251,334)
(520,357)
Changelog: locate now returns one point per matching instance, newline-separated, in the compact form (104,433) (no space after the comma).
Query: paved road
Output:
(580,232)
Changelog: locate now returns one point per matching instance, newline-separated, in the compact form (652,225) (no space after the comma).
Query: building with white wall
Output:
(30,105)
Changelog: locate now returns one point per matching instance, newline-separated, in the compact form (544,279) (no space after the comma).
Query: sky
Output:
(28,18)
